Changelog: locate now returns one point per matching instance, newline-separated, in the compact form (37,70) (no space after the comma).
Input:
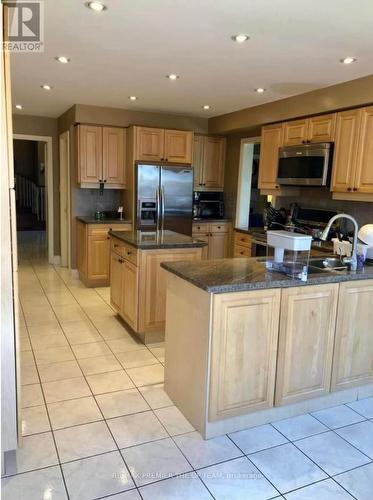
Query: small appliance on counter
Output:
(288,253)
(208,205)
(365,235)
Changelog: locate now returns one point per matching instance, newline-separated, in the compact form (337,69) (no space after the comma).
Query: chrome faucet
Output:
(352,261)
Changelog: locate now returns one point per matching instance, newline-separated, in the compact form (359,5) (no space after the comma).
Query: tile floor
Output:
(98,424)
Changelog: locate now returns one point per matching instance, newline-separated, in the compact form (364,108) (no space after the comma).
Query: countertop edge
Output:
(85,219)
(156,246)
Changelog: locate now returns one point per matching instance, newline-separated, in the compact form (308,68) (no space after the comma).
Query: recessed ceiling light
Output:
(96,6)
(205,106)
(260,90)
(19,106)
(172,76)
(347,60)
(133,98)
(46,87)
(240,38)
(62,59)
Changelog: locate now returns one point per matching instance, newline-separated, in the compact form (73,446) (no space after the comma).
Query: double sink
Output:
(326,264)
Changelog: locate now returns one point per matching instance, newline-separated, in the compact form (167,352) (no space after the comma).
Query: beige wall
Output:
(39,125)
(336,97)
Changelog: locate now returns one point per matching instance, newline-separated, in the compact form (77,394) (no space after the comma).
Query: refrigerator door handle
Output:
(158,201)
(162,206)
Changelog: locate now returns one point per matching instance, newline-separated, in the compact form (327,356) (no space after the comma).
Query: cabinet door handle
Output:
(129,253)
(349,189)
(355,189)
(120,261)
(116,245)
(108,238)
(219,227)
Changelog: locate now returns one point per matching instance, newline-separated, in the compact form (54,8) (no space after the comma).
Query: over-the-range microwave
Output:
(305,165)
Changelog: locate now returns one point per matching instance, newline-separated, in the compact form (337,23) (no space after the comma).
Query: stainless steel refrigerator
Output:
(164,197)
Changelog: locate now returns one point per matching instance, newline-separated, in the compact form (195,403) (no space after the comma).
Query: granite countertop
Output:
(208,221)
(150,240)
(87,219)
(240,274)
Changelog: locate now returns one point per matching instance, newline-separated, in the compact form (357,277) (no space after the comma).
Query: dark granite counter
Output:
(87,219)
(209,221)
(146,240)
(235,275)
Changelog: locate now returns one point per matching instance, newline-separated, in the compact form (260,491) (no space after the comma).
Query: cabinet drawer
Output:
(202,227)
(125,251)
(242,239)
(104,228)
(217,227)
(241,251)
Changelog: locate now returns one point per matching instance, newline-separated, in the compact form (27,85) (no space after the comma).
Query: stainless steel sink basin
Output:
(328,264)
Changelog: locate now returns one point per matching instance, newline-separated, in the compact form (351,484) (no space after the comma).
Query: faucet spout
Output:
(352,261)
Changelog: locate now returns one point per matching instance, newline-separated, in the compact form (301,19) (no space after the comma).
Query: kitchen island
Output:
(137,281)
(245,346)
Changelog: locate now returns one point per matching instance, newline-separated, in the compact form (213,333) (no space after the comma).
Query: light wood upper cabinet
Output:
(89,153)
(197,163)
(213,162)
(364,167)
(150,144)
(353,353)
(244,347)
(321,128)
(113,147)
(158,144)
(100,153)
(271,141)
(178,146)
(295,132)
(345,150)
(305,351)
(315,129)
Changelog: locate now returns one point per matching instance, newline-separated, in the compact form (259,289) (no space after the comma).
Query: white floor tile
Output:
(61,390)
(31,395)
(125,344)
(29,375)
(139,428)
(202,453)
(74,412)
(34,420)
(37,451)
(363,406)
(338,416)
(35,485)
(299,427)
(359,435)
(48,341)
(97,476)
(359,482)
(92,350)
(54,355)
(100,364)
(127,495)
(83,441)
(115,404)
(287,468)
(156,396)
(147,375)
(331,453)
(109,382)
(174,421)
(140,357)
(236,480)
(257,438)
(155,461)
(186,487)
(59,371)
(324,490)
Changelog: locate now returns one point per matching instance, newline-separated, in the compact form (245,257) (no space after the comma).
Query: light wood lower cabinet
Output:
(353,354)
(244,347)
(306,339)
(93,252)
(242,244)
(216,235)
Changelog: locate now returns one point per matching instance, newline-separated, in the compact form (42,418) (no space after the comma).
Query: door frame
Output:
(65,219)
(49,182)
(244,141)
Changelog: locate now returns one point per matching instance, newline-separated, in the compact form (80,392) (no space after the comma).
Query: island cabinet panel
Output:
(130,290)
(305,352)
(116,281)
(353,353)
(243,355)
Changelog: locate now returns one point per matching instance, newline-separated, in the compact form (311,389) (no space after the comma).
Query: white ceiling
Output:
(127,50)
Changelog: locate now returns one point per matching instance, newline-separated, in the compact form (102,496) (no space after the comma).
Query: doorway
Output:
(33,171)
